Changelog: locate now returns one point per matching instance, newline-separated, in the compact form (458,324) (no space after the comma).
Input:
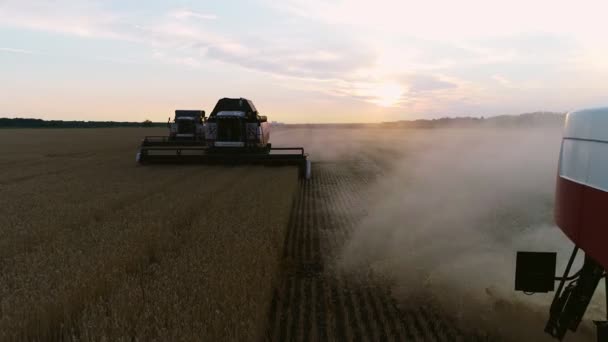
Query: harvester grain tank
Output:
(188,125)
(235,132)
(581,212)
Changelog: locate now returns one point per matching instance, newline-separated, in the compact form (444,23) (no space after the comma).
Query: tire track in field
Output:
(314,301)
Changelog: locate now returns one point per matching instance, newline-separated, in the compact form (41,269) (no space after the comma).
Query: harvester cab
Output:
(187,125)
(235,124)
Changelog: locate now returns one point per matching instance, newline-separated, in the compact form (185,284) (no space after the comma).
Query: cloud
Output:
(502,80)
(427,82)
(183,61)
(438,57)
(186,42)
(409,91)
(187,14)
(318,64)
(85,19)
(19,51)
(445,20)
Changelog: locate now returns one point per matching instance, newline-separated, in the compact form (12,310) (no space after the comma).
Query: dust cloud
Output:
(445,221)
(446,215)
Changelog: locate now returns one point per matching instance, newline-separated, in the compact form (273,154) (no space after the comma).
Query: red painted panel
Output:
(582,213)
(594,225)
(568,204)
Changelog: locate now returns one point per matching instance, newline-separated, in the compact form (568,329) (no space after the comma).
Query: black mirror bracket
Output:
(535,273)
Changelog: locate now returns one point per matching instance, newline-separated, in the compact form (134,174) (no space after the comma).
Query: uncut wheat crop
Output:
(93,247)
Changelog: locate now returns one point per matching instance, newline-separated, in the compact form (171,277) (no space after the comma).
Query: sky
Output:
(301,61)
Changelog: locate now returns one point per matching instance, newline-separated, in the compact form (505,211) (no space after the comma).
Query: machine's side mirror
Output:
(535,272)
(263,118)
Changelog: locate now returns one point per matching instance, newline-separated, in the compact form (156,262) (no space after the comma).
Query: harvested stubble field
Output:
(410,235)
(94,248)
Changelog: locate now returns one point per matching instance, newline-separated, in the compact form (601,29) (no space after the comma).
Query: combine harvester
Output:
(581,212)
(234,133)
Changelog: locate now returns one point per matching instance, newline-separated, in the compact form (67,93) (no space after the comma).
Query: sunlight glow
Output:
(387,94)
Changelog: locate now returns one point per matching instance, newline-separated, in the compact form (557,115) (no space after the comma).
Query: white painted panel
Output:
(598,166)
(578,125)
(575,160)
(599,124)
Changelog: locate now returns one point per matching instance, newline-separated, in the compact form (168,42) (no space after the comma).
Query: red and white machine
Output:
(581,212)
(581,207)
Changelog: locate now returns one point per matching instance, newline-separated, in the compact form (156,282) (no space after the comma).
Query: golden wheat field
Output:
(93,247)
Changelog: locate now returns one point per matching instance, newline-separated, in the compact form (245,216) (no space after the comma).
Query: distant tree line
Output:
(523,120)
(39,123)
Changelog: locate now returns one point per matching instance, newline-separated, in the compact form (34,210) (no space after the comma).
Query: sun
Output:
(387,94)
